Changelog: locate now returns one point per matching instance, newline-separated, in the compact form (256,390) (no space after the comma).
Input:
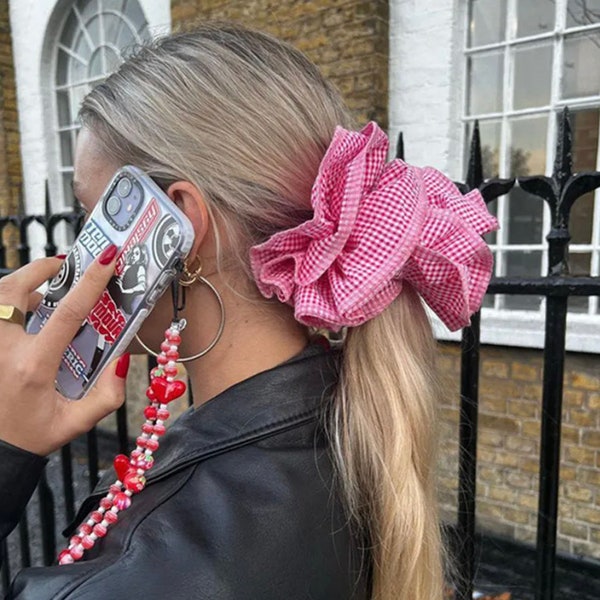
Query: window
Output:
(94,38)
(525,61)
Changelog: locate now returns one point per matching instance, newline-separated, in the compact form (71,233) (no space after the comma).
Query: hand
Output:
(33,415)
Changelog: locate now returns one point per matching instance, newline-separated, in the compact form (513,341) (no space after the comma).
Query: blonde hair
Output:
(247,119)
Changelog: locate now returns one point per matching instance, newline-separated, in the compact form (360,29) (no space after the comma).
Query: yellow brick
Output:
(521,444)
(520,408)
(502,494)
(581,456)
(589,476)
(570,434)
(591,438)
(569,474)
(497,423)
(491,438)
(531,429)
(524,372)
(585,381)
(571,529)
(494,368)
(519,480)
(584,418)
(527,501)
(573,398)
(574,491)
(594,401)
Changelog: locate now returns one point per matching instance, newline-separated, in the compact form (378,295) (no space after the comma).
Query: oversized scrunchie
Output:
(375,225)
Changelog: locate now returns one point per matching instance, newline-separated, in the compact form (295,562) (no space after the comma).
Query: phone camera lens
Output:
(113,205)
(124,187)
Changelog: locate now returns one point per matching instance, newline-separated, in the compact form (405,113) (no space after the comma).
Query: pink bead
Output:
(122,501)
(111,517)
(135,483)
(161,359)
(96,516)
(87,542)
(85,529)
(77,551)
(152,445)
(150,412)
(145,464)
(100,530)
(141,441)
(106,504)
(171,371)
(172,355)
(159,429)
(74,540)
(165,346)
(163,414)
(65,558)
(156,372)
(148,428)
(174,338)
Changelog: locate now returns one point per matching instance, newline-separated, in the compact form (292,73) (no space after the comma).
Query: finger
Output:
(33,301)
(106,396)
(17,285)
(73,309)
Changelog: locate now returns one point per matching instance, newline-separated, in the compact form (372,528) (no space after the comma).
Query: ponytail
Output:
(383,429)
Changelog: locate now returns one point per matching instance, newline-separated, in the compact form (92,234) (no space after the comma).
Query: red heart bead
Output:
(166,391)
(122,465)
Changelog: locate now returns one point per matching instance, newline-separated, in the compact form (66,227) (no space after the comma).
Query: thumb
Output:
(106,396)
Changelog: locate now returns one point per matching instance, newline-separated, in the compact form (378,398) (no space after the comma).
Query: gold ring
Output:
(12,314)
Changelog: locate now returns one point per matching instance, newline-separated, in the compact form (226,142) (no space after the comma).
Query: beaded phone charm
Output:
(131,470)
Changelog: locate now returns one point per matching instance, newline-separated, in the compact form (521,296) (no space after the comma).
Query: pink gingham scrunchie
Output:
(375,225)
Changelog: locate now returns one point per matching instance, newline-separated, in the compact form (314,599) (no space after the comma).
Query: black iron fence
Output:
(560,192)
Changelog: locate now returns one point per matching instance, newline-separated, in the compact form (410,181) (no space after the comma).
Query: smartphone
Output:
(153,237)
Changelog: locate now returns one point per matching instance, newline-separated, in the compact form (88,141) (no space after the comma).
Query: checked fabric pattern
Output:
(375,225)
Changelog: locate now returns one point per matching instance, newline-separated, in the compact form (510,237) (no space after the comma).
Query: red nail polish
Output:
(123,365)
(107,255)
(61,256)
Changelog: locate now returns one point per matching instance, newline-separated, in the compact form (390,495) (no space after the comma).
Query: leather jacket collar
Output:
(270,401)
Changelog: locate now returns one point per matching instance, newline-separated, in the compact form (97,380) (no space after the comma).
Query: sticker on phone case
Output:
(67,277)
(165,240)
(129,286)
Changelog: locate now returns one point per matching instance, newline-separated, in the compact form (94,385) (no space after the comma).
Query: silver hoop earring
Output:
(196,277)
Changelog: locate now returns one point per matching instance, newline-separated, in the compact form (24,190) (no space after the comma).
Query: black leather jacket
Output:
(240,505)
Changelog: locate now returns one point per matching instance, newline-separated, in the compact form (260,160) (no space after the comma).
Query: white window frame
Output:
(525,328)
(57,170)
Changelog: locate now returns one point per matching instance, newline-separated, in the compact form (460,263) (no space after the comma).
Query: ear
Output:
(190,200)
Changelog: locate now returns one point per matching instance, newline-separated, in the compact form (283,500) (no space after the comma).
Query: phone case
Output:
(152,235)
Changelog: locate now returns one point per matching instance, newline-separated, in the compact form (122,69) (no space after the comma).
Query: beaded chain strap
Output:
(131,470)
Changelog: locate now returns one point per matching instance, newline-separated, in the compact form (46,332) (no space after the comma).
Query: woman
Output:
(302,471)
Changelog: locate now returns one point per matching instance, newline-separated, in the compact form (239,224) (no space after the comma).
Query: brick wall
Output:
(508,445)
(10,158)
(347,39)
(10,161)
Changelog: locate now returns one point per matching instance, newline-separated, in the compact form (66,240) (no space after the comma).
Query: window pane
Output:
(66,151)
(534,17)
(487,23)
(579,264)
(489,134)
(62,105)
(581,76)
(528,145)
(485,82)
(582,12)
(523,264)
(533,75)
(584,124)
(525,219)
